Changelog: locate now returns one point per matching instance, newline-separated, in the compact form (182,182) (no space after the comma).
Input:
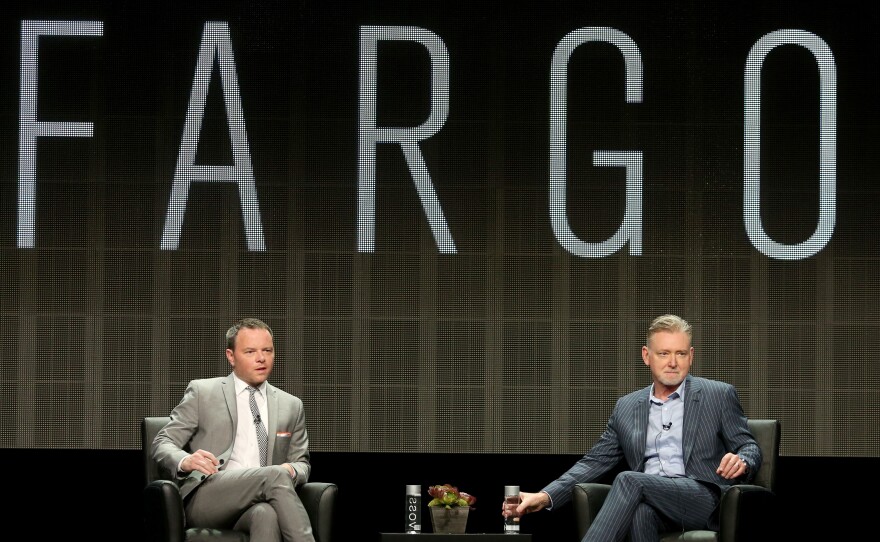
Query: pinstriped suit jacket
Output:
(714,424)
(206,418)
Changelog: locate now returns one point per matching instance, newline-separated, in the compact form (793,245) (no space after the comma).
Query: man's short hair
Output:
(670,323)
(249,323)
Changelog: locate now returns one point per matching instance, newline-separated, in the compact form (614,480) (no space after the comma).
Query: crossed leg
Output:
(642,505)
(221,500)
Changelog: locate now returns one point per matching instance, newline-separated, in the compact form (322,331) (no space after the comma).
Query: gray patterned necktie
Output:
(262,437)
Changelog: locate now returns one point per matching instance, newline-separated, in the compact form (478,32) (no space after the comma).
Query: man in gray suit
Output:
(683,438)
(239,445)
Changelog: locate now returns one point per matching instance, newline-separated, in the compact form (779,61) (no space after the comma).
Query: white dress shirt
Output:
(245,450)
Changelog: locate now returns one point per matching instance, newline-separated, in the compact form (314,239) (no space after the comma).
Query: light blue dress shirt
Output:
(663,450)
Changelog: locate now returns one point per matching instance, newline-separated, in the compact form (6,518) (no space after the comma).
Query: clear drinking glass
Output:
(511,501)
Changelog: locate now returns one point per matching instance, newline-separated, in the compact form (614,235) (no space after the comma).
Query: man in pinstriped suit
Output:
(228,478)
(684,440)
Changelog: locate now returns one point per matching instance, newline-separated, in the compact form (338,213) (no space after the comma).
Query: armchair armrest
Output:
(319,499)
(741,510)
(588,499)
(163,512)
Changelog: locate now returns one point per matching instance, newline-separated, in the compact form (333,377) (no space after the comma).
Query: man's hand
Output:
(531,502)
(731,466)
(200,460)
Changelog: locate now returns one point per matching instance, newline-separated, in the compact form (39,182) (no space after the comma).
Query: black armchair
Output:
(746,511)
(163,507)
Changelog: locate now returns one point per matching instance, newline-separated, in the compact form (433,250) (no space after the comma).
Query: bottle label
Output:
(413,513)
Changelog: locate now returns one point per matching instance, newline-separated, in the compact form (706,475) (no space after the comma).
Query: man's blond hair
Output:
(670,323)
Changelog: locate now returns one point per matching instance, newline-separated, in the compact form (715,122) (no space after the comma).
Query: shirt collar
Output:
(677,393)
(241,385)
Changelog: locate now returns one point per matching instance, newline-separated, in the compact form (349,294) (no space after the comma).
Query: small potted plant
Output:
(449,508)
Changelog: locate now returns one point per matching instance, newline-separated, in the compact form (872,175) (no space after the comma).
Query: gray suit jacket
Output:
(206,418)
(714,424)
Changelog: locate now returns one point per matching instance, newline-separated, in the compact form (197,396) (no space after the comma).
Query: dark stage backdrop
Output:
(458,217)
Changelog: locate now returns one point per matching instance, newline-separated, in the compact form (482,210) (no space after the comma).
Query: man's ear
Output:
(230,358)
(645,355)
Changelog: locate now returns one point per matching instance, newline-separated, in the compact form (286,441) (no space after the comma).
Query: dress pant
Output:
(640,506)
(251,500)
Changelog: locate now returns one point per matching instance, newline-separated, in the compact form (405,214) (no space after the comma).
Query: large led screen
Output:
(458,217)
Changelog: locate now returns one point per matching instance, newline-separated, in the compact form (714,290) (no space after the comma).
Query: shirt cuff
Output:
(549,498)
(180,473)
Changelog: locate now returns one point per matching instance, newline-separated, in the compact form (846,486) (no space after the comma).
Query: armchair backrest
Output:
(767,434)
(149,427)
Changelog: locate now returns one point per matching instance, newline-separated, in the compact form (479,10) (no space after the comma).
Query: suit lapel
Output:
(640,435)
(272,404)
(692,416)
(227,385)
(231,405)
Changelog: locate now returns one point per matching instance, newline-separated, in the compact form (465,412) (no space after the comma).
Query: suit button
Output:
(221,461)
(203,477)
